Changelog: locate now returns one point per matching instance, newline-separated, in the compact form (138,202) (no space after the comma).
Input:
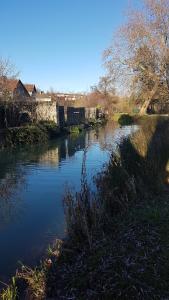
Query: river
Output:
(32,184)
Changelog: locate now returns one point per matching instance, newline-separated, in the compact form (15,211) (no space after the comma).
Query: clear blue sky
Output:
(58,43)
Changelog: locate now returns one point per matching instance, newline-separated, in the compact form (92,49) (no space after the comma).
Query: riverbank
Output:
(40,133)
(117,239)
(128,119)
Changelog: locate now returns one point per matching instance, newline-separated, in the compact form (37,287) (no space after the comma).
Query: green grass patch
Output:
(76,129)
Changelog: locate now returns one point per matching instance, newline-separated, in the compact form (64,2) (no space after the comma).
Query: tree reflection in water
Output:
(10,183)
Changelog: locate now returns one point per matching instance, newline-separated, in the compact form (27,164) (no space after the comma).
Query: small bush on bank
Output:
(30,134)
(94,123)
(125,119)
(24,135)
(50,127)
(75,129)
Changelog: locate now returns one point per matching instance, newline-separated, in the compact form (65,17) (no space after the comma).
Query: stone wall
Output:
(18,113)
(46,111)
(13,114)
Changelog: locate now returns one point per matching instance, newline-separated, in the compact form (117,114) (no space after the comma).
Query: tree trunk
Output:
(146,103)
(144,107)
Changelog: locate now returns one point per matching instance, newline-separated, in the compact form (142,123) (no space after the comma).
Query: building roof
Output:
(30,87)
(11,84)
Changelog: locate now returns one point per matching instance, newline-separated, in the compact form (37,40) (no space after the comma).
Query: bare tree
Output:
(7,71)
(105,86)
(139,54)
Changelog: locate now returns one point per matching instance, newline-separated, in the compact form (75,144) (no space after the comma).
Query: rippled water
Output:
(32,185)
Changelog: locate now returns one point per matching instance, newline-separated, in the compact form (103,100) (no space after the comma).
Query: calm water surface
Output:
(32,185)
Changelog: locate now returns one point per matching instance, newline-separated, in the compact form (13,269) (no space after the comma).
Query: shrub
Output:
(24,135)
(31,134)
(50,127)
(74,129)
(10,293)
(125,119)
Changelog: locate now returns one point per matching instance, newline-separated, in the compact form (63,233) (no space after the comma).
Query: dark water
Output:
(32,185)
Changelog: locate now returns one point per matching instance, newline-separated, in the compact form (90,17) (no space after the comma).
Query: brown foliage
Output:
(7,70)
(139,55)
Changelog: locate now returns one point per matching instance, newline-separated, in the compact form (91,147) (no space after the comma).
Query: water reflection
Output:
(32,181)
(75,144)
